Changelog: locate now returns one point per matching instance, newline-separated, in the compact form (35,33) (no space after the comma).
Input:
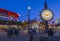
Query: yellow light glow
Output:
(47,14)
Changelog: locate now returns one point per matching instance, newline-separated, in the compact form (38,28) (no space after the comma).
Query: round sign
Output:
(46,15)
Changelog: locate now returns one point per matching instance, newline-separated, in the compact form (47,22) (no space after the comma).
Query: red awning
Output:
(12,13)
(9,13)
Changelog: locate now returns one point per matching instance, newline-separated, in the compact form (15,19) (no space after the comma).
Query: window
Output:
(4,14)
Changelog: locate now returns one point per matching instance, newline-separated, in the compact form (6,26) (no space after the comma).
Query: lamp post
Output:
(29,17)
(31,36)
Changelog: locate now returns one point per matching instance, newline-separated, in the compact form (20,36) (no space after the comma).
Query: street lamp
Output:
(31,36)
(29,7)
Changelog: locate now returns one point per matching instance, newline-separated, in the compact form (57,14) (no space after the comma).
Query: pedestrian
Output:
(30,31)
(9,32)
(50,32)
(13,30)
(34,31)
(16,32)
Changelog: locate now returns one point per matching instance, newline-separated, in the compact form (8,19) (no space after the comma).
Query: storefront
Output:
(8,18)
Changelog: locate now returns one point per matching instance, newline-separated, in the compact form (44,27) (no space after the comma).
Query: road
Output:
(36,37)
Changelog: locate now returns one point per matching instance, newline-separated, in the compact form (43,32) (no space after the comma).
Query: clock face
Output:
(46,15)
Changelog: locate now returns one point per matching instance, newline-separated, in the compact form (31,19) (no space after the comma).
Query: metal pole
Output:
(46,27)
(28,18)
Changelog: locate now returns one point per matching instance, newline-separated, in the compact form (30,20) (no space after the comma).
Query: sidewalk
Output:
(36,37)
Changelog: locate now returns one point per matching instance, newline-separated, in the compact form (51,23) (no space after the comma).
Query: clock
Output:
(46,15)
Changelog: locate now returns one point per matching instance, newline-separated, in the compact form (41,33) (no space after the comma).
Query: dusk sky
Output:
(20,6)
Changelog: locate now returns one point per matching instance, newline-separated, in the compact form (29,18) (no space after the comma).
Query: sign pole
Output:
(46,26)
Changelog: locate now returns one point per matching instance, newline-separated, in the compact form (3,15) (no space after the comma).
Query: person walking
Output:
(9,32)
(16,32)
(50,32)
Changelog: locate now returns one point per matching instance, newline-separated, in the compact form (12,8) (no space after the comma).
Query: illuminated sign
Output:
(46,15)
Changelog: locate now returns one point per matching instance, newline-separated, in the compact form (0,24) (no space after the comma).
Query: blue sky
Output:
(20,6)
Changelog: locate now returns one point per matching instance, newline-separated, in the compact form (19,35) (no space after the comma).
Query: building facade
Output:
(8,15)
